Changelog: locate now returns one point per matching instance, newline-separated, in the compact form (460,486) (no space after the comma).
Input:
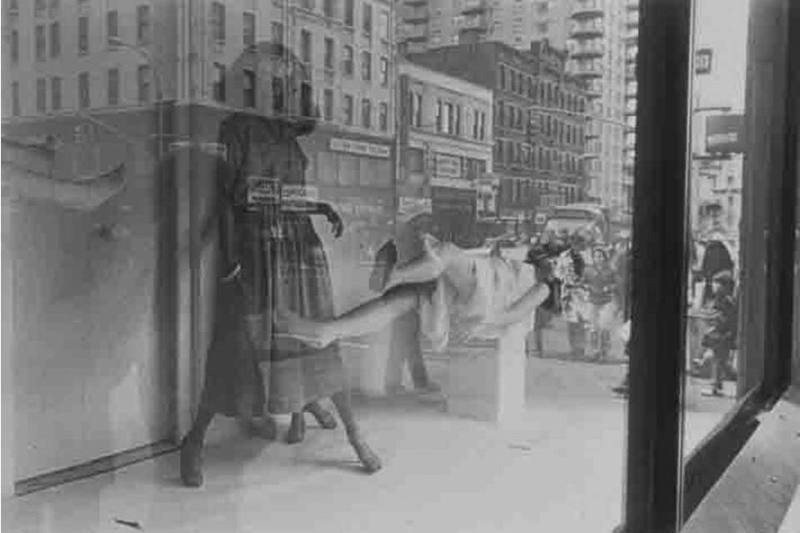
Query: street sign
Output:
(703,61)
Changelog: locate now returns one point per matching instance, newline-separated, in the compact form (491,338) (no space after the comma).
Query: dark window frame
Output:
(662,488)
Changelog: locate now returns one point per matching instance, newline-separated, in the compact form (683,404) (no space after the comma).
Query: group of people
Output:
(596,303)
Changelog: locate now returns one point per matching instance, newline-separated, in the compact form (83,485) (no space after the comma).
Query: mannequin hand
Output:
(232,273)
(337,225)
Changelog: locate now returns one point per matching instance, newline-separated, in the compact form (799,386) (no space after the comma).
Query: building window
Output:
(55,94)
(54,5)
(502,77)
(366,66)
(41,43)
(327,104)
(329,53)
(384,71)
(113,86)
(41,95)
(143,24)
(415,115)
(476,124)
(449,118)
(329,8)
(248,88)
(367,19)
(83,36)
(249,29)
(55,39)
(439,115)
(307,5)
(277,94)
(219,82)
(305,46)
(415,160)
(348,110)
(84,99)
(143,82)
(349,12)
(383,26)
(306,100)
(15,99)
(218,22)
(277,33)
(14,47)
(383,117)
(112,26)
(457,120)
(39,8)
(347,61)
(366,113)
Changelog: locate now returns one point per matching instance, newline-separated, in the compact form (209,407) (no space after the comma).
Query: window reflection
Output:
(245,187)
(715,217)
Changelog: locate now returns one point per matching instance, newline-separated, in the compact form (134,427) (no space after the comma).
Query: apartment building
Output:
(113,57)
(596,35)
(631,92)
(539,121)
(446,143)
(67,57)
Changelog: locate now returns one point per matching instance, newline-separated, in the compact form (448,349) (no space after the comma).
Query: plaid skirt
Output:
(248,370)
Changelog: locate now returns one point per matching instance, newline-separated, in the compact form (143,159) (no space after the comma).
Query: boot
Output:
(192,462)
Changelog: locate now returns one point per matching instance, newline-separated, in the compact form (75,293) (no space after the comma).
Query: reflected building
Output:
(539,122)
(445,146)
(596,34)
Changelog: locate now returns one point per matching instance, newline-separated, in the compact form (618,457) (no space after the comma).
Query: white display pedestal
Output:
(487,382)
(370,363)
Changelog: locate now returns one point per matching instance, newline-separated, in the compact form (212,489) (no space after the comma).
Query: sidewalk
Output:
(561,470)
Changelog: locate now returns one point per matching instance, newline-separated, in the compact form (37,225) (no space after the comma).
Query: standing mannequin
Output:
(270,257)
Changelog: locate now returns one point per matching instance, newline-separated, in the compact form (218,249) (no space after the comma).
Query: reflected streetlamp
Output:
(159,100)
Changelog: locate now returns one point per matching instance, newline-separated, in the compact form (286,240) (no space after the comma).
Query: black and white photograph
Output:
(400,266)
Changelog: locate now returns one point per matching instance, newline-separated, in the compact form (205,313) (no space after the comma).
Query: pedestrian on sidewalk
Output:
(602,282)
(721,338)
(405,338)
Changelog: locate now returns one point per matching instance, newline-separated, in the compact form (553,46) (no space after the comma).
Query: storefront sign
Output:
(263,190)
(299,192)
(362,206)
(448,166)
(724,134)
(702,61)
(453,183)
(408,204)
(360,148)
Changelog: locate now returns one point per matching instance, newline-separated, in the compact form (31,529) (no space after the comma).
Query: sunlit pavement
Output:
(561,469)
